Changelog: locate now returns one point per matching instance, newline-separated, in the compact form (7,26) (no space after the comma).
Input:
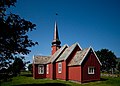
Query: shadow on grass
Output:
(27,75)
(103,79)
(44,84)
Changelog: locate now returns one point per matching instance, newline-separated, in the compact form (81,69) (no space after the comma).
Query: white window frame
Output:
(47,70)
(91,70)
(40,69)
(60,67)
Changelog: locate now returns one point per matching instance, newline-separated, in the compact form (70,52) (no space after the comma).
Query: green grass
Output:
(26,80)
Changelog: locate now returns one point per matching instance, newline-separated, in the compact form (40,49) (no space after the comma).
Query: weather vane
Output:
(56,15)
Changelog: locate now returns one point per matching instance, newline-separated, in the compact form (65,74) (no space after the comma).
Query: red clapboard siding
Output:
(90,60)
(61,75)
(35,72)
(74,73)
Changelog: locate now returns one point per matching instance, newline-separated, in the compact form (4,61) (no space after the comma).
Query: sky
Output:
(93,23)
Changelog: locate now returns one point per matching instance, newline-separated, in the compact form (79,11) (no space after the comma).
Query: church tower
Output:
(56,42)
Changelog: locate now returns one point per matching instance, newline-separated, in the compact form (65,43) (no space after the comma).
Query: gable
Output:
(90,49)
(57,54)
(67,52)
(80,56)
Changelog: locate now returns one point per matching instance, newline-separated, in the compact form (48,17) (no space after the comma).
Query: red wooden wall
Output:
(91,60)
(64,75)
(35,72)
(49,71)
(61,75)
(74,73)
(69,69)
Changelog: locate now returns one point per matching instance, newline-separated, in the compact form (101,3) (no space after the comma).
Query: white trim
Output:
(60,67)
(84,56)
(87,53)
(96,56)
(40,69)
(47,70)
(58,53)
(72,49)
(79,45)
(33,58)
(67,45)
(91,70)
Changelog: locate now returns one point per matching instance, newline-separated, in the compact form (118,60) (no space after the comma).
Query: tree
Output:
(118,68)
(108,60)
(14,40)
(30,68)
(17,66)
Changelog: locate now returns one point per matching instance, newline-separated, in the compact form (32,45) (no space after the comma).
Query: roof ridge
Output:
(94,54)
(85,55)
(57,53)
(73,45)
(78,57)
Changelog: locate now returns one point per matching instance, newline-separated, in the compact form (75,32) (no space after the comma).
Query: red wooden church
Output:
(67,63)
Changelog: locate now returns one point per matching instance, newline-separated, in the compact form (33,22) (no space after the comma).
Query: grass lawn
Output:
(27,80)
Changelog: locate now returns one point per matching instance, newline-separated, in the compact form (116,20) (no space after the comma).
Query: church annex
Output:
(67,62)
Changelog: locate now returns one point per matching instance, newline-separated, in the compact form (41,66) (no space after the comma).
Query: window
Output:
(47,69)
(60,67)
(40,69)
(91,70)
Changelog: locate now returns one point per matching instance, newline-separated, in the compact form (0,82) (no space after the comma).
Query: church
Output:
(67,62)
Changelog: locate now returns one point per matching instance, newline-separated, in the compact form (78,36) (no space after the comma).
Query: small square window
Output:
(60,67)
(91,70)
(40,69)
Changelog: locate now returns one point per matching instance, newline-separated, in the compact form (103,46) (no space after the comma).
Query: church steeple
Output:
(56,42)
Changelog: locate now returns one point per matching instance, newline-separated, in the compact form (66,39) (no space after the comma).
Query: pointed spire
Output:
(56,40)
(56,32)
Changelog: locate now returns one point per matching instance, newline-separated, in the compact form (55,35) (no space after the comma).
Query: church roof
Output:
(40,59)
(63,53)
(81,55)
(78,57)
(67,52)
(57,54)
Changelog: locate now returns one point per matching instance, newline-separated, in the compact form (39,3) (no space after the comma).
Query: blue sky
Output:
(93,23)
